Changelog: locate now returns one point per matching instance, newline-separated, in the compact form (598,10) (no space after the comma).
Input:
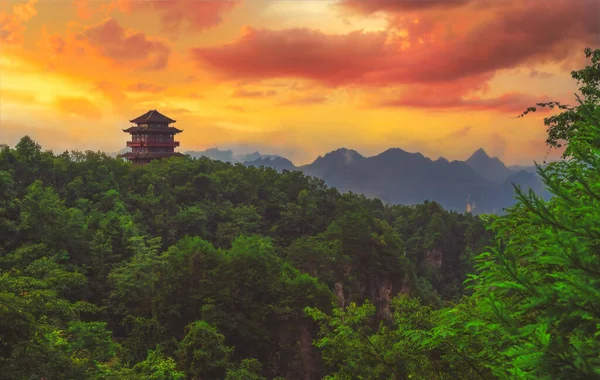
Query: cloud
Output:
(372,6)
(463,132)
(498,145)
(145,87)
(236,108)
(197,14)
(113,93)
(11,24)
(176,111)
(242,93)
(262,53)
(78,106)
(125,47)
(304,100)
(433,50)
(105,48)
(54,44)
(540,152)
(87,9)
(513,103)
(18,96)
(534,73)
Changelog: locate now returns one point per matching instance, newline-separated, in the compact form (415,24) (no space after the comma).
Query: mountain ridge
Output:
(480,184)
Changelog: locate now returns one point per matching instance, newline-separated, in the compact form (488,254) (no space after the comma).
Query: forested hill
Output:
(199,267)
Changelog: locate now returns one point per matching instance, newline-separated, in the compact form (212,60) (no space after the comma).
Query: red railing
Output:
(152,143)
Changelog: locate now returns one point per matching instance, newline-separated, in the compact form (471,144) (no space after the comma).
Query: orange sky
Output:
(297,78)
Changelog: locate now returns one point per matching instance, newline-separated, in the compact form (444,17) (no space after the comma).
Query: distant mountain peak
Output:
(479,154)
(346,156)
(216,149)
(488,167)
(399,153)
(394,150)
(275,162)
(343,151)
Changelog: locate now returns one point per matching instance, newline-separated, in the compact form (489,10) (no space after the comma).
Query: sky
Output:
(292,77)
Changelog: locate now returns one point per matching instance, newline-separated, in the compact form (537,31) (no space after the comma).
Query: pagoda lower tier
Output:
(142,144)
(141,158)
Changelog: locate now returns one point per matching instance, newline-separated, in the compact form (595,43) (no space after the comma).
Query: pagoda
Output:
(152,138)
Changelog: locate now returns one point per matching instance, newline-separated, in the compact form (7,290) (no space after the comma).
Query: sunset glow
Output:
(296,78)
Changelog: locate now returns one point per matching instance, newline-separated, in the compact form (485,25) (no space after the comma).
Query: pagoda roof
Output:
(152,116)
(142,129)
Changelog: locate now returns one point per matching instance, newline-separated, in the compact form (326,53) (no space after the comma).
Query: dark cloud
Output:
(197,14)
(112,41)
(471,48)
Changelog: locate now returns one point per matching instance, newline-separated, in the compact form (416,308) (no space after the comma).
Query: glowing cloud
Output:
(12,23)
(118,45)
(173,14)
(423,52)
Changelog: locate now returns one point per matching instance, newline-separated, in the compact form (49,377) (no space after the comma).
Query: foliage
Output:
(186,268)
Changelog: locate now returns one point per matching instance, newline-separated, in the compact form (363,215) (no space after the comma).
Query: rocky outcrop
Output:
(434,258)
(383,299)
(339,293)
(308,355)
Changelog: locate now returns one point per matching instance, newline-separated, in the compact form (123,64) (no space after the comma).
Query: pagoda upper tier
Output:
(153,122)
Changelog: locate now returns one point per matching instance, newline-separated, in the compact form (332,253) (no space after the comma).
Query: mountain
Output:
(115,154)
(333,162)
(276,162)
(213,154)
(527,168)
(481,184)
(228,155)
(400,177)
(489,168)
(251,157)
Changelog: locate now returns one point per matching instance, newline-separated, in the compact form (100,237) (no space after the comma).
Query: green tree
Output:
(203,352)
